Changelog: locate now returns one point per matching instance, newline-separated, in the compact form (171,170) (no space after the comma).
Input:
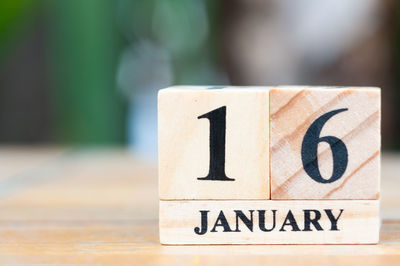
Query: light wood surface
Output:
(184,143)
(269,222)
(350,116)
(101,207)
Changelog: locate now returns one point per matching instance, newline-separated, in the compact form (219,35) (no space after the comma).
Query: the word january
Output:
(309,217)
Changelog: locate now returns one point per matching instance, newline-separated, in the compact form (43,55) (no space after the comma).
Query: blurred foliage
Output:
(13,15)
(83,51)
(103,55)
(87,105)
(185,30)
(166,42)
(88,40)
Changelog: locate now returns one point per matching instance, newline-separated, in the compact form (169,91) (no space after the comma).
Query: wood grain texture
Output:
(293,110)
(183,145)
(269,222)
(100,206)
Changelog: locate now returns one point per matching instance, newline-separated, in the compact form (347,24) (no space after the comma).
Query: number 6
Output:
(309,150)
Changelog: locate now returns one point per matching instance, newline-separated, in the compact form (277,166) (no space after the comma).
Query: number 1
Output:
(217,120)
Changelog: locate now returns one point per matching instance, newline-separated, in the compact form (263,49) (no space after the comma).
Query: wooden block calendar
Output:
(269,165)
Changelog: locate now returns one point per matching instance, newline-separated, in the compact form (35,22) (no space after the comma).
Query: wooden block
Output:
(325,143)
(269,222)
(213,143)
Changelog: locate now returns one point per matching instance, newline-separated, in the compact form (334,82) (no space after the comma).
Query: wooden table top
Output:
(101,206)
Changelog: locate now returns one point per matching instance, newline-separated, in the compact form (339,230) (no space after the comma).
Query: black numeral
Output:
(309,150)
(217,120)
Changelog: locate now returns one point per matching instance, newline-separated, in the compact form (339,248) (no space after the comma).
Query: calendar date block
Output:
(269,222)
(324,143)
(213,143)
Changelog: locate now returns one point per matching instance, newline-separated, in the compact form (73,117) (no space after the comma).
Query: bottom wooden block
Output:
(269,222)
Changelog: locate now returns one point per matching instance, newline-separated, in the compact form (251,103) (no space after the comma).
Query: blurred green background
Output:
(86,72)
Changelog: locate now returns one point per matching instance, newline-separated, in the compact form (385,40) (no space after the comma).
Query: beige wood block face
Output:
(348,119)
(184,142)
(269,222)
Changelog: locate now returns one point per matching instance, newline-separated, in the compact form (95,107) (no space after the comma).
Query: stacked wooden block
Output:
(257,165)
